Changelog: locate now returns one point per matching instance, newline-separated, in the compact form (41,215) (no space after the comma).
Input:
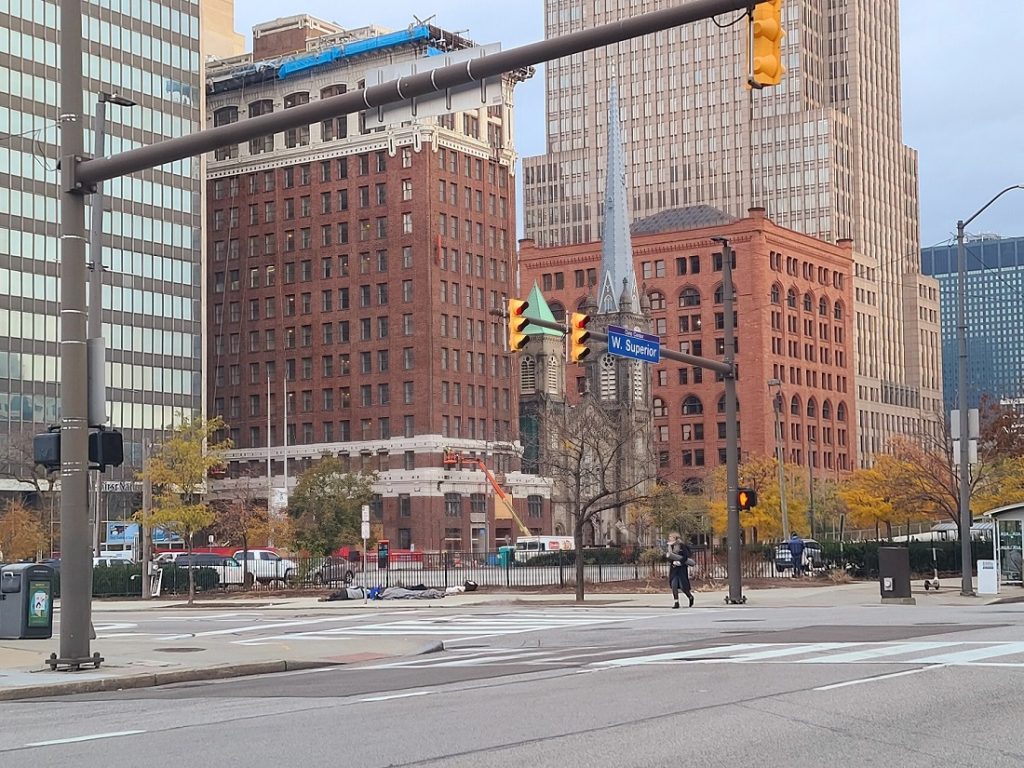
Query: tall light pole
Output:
(966,569)
(779,455)
(96,344)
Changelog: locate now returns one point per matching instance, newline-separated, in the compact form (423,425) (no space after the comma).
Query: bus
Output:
(528,547)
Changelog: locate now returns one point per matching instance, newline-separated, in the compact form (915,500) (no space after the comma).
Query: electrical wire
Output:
(742,15)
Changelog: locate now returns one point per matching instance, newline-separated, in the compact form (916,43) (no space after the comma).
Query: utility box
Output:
(894,575)
(26,602)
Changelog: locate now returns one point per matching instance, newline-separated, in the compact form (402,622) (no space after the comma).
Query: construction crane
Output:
(454,458)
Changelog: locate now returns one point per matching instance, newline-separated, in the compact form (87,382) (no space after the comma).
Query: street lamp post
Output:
(966,569)
(96,344)
(779,455)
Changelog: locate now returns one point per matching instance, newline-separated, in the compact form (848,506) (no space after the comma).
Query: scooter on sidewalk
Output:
(933,582)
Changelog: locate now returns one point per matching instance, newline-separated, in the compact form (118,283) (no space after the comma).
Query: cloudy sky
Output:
(963,108)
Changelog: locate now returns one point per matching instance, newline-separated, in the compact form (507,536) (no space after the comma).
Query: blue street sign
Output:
(644,347)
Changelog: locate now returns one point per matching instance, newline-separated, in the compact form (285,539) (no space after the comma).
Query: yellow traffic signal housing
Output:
(517,322)
(578,336)
(746,498)
(766,35)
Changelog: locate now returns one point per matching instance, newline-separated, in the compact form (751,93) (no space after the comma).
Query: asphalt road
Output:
(865,686)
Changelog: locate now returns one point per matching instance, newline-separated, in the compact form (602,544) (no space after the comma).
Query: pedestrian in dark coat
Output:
(796,551)
(678,569)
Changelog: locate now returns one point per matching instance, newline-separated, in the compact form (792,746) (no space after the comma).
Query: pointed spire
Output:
(616,248)
(540,310)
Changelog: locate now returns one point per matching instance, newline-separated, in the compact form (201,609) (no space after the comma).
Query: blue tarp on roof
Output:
(352,49)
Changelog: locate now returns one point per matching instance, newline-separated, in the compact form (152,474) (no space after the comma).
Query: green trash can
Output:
(26,602)
(506,556)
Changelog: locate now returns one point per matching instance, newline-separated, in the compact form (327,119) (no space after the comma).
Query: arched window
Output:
(296,137)
(528,375)
(659,408)
(689,297)
(335,127)
(812,407)
(794,406)
(582,305)
(608,378)
(551,372)
(261,144)
(226,116)
(791,298)
(838,311)
(720,294)
(823,307)
(808,302)
(557,310)
(826,410)
(692,406)
(721,404)
(657,299)
(841,412)
(776,293)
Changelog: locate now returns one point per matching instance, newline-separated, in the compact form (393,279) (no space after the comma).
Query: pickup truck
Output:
(266,566)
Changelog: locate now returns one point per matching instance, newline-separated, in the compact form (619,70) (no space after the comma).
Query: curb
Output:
(192,675)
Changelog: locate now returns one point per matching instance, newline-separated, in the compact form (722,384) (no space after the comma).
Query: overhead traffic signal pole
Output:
(80,174)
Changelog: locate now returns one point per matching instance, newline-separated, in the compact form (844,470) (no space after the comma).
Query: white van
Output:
(528,547)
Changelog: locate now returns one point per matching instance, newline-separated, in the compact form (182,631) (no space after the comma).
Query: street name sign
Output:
(635,345)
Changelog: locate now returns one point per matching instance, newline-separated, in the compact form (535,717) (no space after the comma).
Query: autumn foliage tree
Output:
(242,516)
(21,535)
(178,471)
(761,473)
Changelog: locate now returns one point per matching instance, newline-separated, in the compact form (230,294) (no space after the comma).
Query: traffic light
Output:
(746,498)
(578,335)
(517,322)
(766,35)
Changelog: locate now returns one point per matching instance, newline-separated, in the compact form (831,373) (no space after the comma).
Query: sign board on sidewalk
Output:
(366,531)
(635,345)
(366,513)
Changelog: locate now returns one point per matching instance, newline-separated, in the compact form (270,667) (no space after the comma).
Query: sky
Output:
(963,109)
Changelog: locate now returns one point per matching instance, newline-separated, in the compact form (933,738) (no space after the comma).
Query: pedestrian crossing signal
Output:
(746,498)
(517,322)
(578,336)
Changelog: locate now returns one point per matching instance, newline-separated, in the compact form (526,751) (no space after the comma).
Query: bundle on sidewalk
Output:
(417,592)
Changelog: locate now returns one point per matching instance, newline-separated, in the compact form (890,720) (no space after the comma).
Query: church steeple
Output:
(618,277)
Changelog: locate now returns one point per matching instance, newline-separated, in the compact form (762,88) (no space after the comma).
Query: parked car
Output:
(335,570)
(266,566)
(812,552)
(229,571)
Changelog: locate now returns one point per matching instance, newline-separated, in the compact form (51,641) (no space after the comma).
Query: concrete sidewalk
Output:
(24,674)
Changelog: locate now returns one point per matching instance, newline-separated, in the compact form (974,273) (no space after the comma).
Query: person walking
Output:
(796,551)
(679,556)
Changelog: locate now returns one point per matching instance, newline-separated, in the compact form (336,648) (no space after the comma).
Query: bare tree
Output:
(601,463)
(242,515)
(17,462)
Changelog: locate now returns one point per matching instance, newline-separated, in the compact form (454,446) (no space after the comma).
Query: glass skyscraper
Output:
(149,52)
(995,317)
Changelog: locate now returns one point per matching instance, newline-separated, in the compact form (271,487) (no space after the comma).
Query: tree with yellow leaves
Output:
(761,473)
(21,535)
(178,471)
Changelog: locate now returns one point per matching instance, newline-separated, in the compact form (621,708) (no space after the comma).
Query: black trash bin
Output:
(26,602)
(894,575)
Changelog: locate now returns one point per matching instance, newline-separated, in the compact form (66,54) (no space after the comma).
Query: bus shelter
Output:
(1009,523)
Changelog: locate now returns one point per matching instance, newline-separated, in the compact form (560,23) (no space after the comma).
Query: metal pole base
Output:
(73,665)
(734,601)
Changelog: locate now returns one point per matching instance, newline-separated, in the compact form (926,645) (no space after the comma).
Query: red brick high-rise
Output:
(794,325)
(353,270)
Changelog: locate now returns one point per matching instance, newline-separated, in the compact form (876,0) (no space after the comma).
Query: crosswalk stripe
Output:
(869,654)
(656,658)
(796,650)
(974,654)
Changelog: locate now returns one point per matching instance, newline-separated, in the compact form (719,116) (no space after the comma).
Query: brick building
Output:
(793,300)
(352,273)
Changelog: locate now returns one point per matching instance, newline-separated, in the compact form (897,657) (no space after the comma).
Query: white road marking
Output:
(877,652)
(631,661)
(796,650)
(77,739)
(259,627)
(975,654)
(389,697)
(878,677)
